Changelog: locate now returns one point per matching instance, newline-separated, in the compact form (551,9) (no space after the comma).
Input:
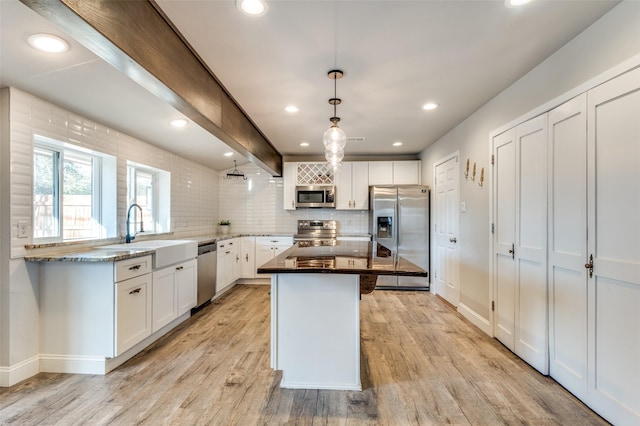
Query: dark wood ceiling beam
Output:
(135,38)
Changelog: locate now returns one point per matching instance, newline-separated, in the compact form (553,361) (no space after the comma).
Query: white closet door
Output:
(531,244)
(568,245)
(504,187)
(446,224)
(614,241)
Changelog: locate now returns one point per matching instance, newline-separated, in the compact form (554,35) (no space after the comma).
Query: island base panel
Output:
(316,330)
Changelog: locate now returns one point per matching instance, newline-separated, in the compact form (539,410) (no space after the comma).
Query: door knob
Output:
(453,240)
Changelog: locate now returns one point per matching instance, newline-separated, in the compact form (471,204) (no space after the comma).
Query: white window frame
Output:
(161,187)
(60,149)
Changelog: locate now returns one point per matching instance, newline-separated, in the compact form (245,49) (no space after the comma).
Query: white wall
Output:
(608,42)
(256,206)
(194,208)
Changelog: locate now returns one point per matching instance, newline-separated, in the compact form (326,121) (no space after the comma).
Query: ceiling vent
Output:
(358,139)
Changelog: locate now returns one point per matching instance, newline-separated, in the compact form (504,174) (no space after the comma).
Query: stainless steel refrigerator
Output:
(400,221)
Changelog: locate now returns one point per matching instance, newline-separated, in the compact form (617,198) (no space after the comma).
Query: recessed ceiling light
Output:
(228,154)
(178,122)
(252,7)
(48,43)
(305,144)
(397,144)
(430,106)
(291,108)
(516,3)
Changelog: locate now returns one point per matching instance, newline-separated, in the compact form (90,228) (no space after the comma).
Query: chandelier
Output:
(334,139)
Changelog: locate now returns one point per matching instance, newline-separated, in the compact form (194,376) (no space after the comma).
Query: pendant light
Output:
(334,139)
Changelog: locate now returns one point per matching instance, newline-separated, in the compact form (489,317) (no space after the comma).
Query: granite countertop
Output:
(346,257)
(90,255)
(104,254)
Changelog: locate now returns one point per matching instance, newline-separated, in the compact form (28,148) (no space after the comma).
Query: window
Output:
(67,193)
(149,188)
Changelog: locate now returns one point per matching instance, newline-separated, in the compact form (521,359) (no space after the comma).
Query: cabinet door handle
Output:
(227,252)
(230,244)
(134,267)
(179,268)
(136,291)
(237,258)
(589,266)
(246,257)
(292,204)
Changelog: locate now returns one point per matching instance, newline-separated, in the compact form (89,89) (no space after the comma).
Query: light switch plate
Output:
(463,207)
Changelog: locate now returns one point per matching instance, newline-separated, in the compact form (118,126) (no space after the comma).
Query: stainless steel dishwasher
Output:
(207,260)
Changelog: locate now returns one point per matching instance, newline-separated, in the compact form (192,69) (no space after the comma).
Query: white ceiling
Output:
(396,55)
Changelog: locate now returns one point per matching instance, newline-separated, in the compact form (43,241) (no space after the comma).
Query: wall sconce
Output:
(466,172)
(481,177)
(473,173)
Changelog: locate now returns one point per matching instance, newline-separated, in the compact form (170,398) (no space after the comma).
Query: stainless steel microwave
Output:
(316,196)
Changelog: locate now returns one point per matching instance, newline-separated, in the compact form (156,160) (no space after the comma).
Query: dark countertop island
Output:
(346,257)
(315,310)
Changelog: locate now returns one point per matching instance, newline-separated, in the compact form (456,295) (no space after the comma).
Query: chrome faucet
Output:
(130,237)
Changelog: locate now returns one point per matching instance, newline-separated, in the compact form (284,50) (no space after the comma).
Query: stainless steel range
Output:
(316,233)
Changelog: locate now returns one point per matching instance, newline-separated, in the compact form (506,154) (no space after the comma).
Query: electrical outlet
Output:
(23,229)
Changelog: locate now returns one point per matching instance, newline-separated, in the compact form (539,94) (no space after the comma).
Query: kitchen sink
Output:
(166,252)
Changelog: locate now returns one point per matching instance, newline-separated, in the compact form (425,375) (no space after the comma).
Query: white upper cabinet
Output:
(289,175)
(394,172)
(381,173)
(406,172)
(352,186)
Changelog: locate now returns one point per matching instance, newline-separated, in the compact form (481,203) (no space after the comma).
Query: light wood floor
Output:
(422,364)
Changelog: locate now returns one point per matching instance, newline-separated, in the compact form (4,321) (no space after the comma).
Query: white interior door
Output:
(531,244)
(568,245)
(614,241)
(446,224)
(504,212)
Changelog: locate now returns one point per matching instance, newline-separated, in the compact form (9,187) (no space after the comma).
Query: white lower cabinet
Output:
(228,265)
(90,310)
(248,257)
(269,247)
(133,312)
(187,286)
(93,312)
(174,292)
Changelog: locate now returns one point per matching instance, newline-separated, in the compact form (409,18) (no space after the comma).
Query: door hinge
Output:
(493,228)
(493,159)
(493,306)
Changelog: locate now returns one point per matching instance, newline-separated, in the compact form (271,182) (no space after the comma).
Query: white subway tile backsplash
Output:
(194,192)
(256,206)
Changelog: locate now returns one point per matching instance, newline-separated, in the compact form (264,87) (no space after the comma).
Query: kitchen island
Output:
(315,310)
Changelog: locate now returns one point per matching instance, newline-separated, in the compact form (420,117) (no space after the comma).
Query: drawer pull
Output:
(179,268)
(227,252)
(134,267)
(136,291)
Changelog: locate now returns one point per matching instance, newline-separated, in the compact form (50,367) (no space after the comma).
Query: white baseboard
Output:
(9,376)
(52,363)
(475,318)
